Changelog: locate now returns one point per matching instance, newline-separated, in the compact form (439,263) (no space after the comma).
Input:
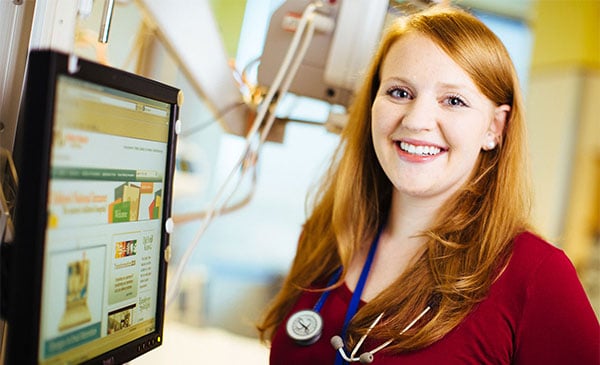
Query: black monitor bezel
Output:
(32,160)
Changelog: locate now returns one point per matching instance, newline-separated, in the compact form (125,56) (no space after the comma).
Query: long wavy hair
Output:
(470,241)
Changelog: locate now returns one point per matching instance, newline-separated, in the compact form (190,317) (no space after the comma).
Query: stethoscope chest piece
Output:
(305,327)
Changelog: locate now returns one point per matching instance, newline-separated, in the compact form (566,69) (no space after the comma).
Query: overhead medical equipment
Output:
(335,59)
(316,20)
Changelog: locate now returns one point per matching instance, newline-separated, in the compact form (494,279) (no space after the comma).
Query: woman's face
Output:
(429,120)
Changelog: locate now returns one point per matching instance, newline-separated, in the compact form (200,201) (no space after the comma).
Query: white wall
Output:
(552,114)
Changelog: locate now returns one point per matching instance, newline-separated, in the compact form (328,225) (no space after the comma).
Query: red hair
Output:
(470,241)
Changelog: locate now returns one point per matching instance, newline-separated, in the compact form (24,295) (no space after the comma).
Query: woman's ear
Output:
(494,133)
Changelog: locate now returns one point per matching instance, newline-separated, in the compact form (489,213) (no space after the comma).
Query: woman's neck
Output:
(409,217)
(400,242)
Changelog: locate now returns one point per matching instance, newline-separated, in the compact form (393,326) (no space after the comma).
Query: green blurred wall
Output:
(229,15)
(567,33)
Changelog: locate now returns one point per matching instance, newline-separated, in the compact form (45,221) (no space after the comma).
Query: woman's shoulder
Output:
(529,242)
(533,262)
(554,322)
(532,251)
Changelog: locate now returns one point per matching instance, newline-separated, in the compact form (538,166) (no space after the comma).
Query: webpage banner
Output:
(102,242)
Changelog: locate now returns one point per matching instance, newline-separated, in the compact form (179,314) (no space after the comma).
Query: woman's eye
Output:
(398,93)
(455,101)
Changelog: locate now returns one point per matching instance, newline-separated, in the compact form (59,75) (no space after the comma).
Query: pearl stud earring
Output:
(490,145)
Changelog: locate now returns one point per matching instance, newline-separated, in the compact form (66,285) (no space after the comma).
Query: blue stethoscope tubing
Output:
(337,342)
(355,300)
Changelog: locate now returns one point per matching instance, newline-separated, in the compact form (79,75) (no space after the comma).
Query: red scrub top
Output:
(536,313)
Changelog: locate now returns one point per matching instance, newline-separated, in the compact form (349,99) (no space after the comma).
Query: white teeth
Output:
(419,150)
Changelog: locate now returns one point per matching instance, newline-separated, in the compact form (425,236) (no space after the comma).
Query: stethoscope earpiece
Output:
(337,342)
(366,358)
(338,345)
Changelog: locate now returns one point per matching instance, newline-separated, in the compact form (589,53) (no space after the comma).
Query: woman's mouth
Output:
(420,150)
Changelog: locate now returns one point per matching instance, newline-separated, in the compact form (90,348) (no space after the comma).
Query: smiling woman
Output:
(417,248)
(430,121)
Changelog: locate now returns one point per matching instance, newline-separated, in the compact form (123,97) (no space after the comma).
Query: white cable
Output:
(283,69)
(173,286)
(310,31)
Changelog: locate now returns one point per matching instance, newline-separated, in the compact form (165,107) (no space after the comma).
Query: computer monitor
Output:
(87,271)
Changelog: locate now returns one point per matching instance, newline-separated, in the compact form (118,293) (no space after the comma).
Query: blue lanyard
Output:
(359,286)
(323,298)
(355,301)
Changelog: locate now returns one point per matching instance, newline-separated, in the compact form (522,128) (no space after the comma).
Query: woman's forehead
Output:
(417,58)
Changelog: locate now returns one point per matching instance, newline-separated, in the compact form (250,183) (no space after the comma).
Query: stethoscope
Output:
(305,326)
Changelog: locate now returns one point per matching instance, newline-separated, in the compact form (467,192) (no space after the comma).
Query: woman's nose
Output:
(420,115)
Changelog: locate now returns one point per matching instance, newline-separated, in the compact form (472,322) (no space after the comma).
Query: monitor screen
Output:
(91,221)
